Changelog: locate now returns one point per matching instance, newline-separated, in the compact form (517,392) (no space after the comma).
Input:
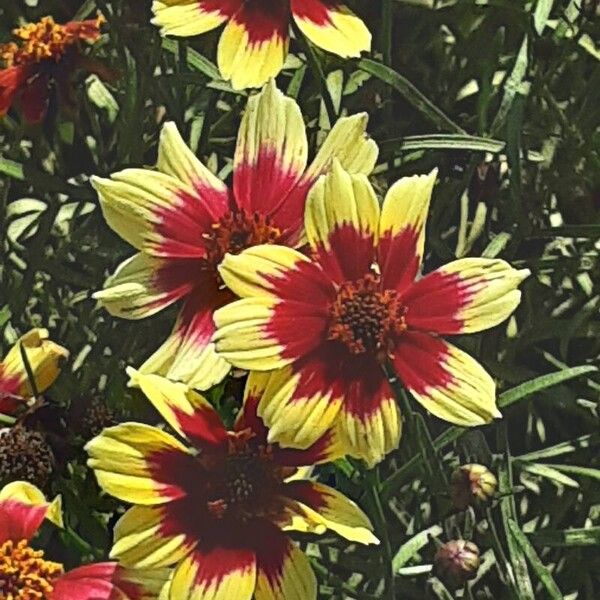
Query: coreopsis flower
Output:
(44,358)
(44,55)
(254,44)
(217,505)
(26,573)
(183,220)
(329,322)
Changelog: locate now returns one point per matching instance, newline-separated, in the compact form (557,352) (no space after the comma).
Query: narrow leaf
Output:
(534,560)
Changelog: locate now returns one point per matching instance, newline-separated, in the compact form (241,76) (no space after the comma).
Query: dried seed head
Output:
(25,455)
(96,418)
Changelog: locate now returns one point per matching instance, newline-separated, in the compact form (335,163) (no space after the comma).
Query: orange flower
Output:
(44,52)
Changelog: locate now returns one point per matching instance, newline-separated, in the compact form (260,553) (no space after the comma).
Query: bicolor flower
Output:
(183,220)
(26,573)
(44,357)
(328,323)
(218,505)
(254,44)
(45,54)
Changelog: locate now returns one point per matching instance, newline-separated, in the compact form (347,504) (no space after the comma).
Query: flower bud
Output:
(456,562)
(471,483)
(25,455)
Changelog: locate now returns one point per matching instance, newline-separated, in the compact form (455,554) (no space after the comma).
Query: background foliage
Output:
(504,97)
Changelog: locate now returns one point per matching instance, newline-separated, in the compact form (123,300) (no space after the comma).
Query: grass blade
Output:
(540,569)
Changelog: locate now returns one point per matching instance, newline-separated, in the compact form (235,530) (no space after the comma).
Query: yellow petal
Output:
(127,459)
(241,338)
(133,202)
(249,63)
(178,161)
(271,150)
(285,575)
(445,380)
(28,493)
(185,17)
(141,541)
(336,512)
(341,222)
(406,206)
(221,575)
(342,32)
(44,358)
(349,143)
(134,291)
(254,272)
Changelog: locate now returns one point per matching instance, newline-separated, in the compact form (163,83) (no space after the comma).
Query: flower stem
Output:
(381,528)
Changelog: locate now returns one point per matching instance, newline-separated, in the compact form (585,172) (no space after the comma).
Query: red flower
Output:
(25,573)
(329,323)
(255,41)
(46,52)
(219,506)
(183,220)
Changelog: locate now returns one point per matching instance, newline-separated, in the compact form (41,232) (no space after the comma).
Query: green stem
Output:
(381,527)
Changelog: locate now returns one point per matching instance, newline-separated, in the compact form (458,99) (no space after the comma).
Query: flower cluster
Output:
(295,273)
(44,54)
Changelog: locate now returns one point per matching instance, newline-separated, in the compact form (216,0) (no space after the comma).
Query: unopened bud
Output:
(456,562)
(471,483)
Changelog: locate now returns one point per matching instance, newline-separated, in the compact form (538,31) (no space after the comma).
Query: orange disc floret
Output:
(47,40)
(24,574)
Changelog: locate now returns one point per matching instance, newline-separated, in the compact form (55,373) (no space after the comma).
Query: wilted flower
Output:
(44,54)
(471,483)
(44,357)
(25,455)
(329,322)
(25,573)
(217,506)
(183,220)
(255,41)
(456,562)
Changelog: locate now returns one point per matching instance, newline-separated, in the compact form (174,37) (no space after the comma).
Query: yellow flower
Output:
(44,357)
(255,41)
(183,220)
(218,505)
(328,323)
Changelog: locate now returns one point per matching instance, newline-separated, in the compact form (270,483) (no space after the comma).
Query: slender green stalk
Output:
(373,482)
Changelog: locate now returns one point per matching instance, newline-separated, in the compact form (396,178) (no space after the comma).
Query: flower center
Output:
(24,574)
(44,40)
(237,231)
(365,318)
(248,481)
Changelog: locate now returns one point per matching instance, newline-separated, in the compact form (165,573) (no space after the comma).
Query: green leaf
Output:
(410,548)
(411,94)
(584,441)
(497,245)
(194,59)
(11,168)
(543,8)
(442,141)
(541,383)
(508,511)
(558,538)
(577,470)
(547,472)
(540,569)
